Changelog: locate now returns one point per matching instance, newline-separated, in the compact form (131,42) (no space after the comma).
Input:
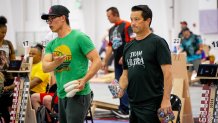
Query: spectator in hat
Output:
(183,25)
(192,45)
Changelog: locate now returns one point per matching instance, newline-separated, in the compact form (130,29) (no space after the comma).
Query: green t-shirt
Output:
(143,59)
(75,46)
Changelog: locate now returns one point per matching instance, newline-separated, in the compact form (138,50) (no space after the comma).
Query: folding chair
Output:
(54,109)
(176,105)
(89,113)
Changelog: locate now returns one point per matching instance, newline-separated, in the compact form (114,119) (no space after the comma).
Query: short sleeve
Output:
(125,66)
(43,76)
(11,48)
(85,43)
(199,39)
(48,48)
(163,52)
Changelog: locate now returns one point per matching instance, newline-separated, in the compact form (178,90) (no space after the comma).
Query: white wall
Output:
(24,19)
(90,14)
(187,10)
(90,17)
(209,38)
(208,5)
(95,16)
(5,10)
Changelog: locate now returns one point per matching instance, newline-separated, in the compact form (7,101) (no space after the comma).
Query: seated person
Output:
(45,99)
(192,45)
(38,79)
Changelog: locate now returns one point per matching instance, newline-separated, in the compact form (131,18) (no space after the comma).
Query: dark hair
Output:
(114,11)
(185,29)
(3,21)
(39,47)
(67,20)
(146,11)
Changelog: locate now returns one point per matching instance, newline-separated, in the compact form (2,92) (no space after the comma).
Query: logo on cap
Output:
(50,10)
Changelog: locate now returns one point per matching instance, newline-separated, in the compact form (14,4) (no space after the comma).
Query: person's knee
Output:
(35,100)
(47,101)
(35,97)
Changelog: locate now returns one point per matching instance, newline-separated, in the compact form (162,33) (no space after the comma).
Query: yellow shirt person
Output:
(45,77)
(38,79)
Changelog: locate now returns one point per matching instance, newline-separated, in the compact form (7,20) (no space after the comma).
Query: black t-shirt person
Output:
(143,59)
(119,35)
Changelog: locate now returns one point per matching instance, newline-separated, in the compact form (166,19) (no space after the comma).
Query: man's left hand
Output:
(166,106)
(120,93)
(81,84)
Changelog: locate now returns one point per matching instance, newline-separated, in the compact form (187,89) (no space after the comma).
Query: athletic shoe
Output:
(120,114)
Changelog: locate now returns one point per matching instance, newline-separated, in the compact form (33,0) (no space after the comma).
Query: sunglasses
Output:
(51,18)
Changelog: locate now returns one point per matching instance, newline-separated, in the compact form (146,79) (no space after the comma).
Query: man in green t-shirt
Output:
(147,70)
(68,56)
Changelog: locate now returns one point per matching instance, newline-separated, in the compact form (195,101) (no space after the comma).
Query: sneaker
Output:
(120,114)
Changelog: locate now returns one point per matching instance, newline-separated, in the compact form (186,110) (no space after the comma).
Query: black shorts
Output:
(145,113)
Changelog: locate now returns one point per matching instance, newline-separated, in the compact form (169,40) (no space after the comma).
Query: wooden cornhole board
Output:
(23,108)
(107,78)
(179,71)
(178,85)
(103,105)
(30,113)
(175,113)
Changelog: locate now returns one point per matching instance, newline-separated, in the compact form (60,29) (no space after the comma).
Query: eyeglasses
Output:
(51,18)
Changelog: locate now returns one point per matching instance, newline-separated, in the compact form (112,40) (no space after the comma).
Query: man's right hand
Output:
(59,59)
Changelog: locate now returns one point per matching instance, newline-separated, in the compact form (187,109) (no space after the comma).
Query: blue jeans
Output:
(144,114)
(124,102)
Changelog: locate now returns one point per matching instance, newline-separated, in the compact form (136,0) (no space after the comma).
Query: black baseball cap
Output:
(56,10)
